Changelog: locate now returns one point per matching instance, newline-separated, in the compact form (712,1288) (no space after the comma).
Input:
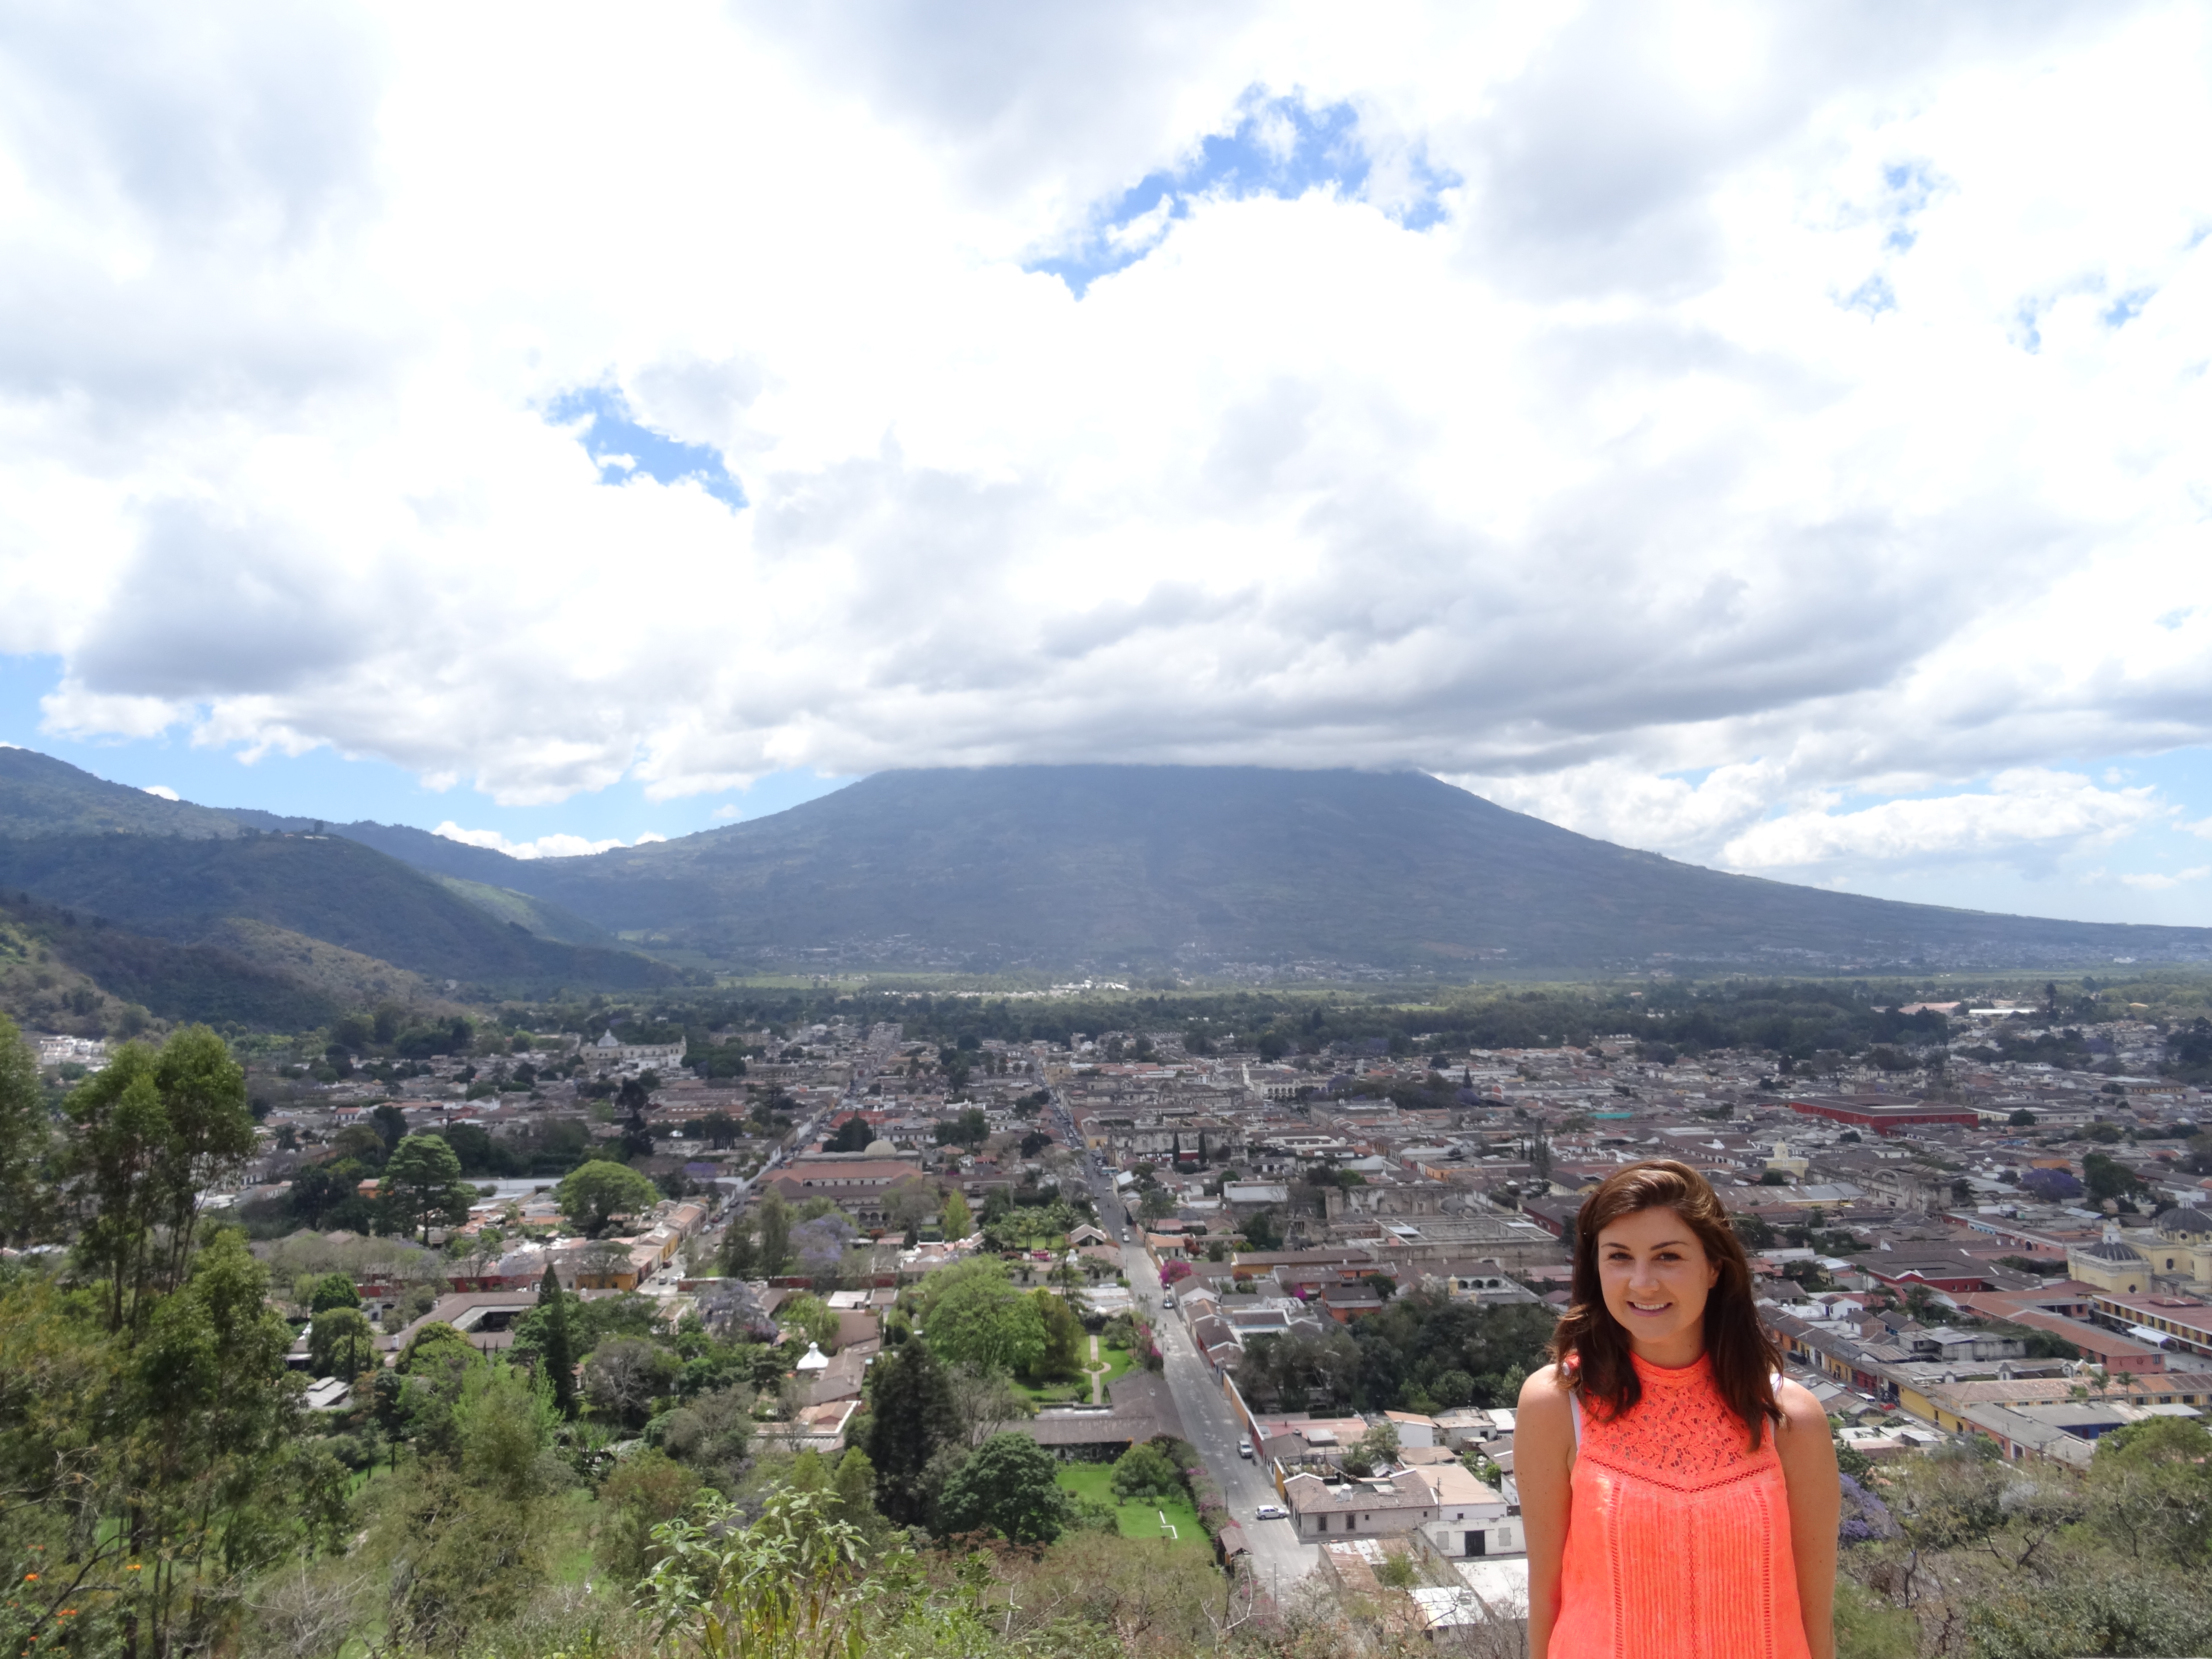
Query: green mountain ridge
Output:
(325,887)
(41,944)
(42,796)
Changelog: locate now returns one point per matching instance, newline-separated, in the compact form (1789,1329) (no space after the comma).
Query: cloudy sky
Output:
(1773,435)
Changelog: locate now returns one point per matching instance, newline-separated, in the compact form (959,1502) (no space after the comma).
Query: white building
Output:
(610,1055)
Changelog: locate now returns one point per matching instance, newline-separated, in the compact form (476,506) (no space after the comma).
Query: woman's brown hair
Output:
(1589,1345)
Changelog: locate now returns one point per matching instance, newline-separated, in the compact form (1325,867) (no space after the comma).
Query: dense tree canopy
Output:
(1009,1485)
(592,1195)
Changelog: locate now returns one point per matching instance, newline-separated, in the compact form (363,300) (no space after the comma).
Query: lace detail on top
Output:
(1682,1434)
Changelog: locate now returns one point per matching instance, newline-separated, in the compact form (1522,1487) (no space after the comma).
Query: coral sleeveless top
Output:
(1678,1534)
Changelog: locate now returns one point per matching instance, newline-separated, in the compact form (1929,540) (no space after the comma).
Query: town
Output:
(1319,1269)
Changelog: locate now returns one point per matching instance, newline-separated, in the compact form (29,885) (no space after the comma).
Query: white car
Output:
(1271,1512)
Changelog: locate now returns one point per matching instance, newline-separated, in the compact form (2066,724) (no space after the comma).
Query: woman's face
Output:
(1657,1276)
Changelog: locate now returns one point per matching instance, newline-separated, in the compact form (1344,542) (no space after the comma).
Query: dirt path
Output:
(1098,1370)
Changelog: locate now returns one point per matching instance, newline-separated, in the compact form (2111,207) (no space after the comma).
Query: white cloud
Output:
(2029,816)
(1603,493)
(162,790)
(2155,882)
(545,847)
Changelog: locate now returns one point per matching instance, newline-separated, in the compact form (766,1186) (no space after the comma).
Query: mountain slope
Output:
(195,876)
(325,887)
(1073,866)
(540,916)
(42,946)
(42,796)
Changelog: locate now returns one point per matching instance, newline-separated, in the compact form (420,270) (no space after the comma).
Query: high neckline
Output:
(1664,1376)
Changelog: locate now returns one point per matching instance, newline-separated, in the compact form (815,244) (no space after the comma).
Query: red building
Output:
(1883,1115)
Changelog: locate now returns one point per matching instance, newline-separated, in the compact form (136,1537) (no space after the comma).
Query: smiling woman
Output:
(1681,1498)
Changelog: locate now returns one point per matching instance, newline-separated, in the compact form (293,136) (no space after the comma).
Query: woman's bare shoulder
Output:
(1544,1397)
(1801,1408)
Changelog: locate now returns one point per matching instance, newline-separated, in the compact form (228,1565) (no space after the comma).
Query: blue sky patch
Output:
(623,449)
(1279,147)
(1872,296)
(2126,309)
(1910,187)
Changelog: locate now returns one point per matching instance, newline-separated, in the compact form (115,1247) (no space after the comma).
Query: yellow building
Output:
(2111,1264)
(2180,1244)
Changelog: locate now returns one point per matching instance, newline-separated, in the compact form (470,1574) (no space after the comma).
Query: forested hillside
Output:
(327,888)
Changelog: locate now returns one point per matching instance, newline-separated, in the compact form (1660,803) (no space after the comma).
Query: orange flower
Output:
(133,1567)
(30,1579)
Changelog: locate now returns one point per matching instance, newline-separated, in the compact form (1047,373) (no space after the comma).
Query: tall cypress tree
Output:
(559,1346)
(910,1417)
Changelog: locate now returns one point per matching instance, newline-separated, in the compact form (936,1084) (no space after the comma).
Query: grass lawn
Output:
(1056,1393)
(1137,1520)
(1118,1361)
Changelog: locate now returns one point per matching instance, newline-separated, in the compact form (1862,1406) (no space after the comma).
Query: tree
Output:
(155,1130)
(2151,1489)
(645,1491)
(217,1408)
(774,1216)
(974,1315)
(740,1249)
(435,1348)
(983,1402)
(24,1133)
(340,1343)
(120,1144)
(592,1195)
(910,1421)
(813,1319)
(2107,1177)
(970,1129)
(957,1220)
(1062,1354)
(333,1291)
(1145,1472)
(556,1344)
(421,1184)
(623,1377)
(391,1124)
(1009,1486)
(1375,1451)
(1156,1205)
(853,1135)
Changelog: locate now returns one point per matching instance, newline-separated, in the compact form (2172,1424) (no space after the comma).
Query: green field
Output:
(1137,1520)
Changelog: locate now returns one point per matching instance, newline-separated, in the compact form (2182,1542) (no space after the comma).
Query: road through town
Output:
(1278,1561)
(1277,1558)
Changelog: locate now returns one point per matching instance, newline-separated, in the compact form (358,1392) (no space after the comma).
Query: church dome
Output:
(2183,1224)
(883,1148)
(2117,1251)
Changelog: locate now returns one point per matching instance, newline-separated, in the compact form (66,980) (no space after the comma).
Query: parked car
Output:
(1244,1447)
(1271,1512)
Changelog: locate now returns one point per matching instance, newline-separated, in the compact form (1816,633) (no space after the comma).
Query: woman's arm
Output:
(1816,1502)
(1543,1468)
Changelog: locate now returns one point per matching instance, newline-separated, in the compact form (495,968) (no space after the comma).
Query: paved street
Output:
(1279,1560)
